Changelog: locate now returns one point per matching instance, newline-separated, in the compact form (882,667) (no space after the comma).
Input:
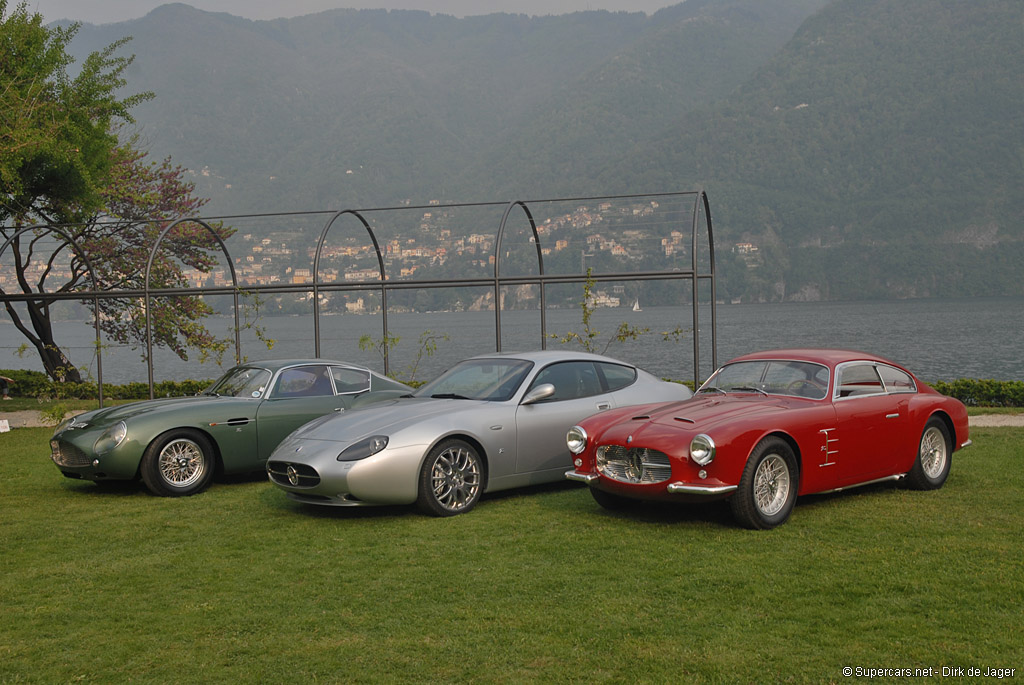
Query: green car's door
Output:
(299,395)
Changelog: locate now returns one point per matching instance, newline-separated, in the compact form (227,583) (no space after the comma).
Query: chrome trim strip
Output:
(684,489)
(857,485)
(582,477)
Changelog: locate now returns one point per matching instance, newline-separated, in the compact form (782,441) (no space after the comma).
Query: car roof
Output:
(548,356)
(827,356)
(278,364)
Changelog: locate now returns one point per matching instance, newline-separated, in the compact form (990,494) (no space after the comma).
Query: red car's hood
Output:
(699,415)
(707,411)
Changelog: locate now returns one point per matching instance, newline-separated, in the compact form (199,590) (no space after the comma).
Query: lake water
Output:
(936,339)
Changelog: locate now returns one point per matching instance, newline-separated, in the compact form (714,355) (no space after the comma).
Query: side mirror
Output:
(541,392)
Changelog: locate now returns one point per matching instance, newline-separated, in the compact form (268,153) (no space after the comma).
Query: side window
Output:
(303,381)
(859,379)
(616,376)
(571,380)
(350,381)
(896,380)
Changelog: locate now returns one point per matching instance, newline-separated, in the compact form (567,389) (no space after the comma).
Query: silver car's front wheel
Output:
(178,463)
(451,479)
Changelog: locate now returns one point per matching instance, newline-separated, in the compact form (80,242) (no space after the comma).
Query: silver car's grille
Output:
(633,464)
(291,474)
(66,454)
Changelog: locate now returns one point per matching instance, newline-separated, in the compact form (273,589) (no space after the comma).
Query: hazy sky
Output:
(108,11)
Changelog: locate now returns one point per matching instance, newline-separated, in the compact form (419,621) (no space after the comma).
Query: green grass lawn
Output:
(239,584)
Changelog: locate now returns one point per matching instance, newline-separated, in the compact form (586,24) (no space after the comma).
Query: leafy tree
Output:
(62,162)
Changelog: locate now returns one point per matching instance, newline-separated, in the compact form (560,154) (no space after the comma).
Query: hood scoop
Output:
(683,419)
(642,417)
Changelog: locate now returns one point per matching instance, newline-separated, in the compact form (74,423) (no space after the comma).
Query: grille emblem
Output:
(293,475)
(629,440)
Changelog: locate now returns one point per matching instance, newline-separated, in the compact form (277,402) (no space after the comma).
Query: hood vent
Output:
(684,420)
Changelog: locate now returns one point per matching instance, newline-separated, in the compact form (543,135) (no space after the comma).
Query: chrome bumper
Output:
(684,489)
(582,477)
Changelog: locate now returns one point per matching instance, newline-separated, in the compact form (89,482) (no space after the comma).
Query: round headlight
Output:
(702,449)
(576,439)
(111,438)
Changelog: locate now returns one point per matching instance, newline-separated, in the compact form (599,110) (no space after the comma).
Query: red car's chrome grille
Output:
(295,475)
(66,454)
(633,464)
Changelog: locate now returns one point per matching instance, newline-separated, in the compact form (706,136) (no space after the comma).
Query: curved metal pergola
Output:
(384,285)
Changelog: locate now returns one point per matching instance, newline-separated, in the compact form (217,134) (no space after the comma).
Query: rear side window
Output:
(896,380)
(616,376)
(350,381)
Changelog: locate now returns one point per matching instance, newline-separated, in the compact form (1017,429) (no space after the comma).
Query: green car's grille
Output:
(66,454)
(294,475)
(633,464)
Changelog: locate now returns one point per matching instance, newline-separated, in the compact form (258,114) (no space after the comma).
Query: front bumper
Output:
(653,491)
(389,477)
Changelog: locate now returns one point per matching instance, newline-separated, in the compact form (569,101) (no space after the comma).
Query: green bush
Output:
(37,384)
(983,393)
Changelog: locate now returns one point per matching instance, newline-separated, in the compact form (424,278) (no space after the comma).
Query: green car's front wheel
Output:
(178,463)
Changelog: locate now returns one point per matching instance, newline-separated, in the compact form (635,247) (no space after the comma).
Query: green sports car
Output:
(176,445)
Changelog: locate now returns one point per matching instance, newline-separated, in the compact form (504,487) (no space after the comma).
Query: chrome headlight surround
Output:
(576,439)
(367,447)
(111,438)
(702,449)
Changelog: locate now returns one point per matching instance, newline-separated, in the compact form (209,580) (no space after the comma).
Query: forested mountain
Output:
(864,147)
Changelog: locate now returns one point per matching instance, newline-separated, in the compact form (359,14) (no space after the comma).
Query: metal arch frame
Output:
(497,274)
(95,292)
(496,281)
(148,292)
(316,279)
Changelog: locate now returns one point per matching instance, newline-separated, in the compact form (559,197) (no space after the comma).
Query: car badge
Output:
(629,440)
(299,448)
(293,475)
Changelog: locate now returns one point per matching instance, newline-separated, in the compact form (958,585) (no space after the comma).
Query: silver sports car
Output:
(489,423)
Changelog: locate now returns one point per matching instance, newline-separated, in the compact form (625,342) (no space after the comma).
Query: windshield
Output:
(241,381)
(792,378)
(479,379)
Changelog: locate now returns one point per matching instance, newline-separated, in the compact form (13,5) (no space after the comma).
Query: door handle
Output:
(893,416)
(601,406)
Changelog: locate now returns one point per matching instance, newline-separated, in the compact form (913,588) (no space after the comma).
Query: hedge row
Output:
(38,384)
(970,391)
(983,393)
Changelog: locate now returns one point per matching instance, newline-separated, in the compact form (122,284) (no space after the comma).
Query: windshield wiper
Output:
(747,388)
(449,396)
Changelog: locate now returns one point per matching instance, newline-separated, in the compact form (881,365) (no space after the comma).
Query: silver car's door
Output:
(541,427)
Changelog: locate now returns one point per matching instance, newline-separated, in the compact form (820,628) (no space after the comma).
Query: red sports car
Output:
(769,426)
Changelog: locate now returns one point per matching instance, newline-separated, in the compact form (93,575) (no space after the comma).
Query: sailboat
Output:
(636,305)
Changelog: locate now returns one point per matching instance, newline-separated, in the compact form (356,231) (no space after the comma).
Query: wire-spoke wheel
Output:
(934,457)
(767,490)
(451,479)
(178,463)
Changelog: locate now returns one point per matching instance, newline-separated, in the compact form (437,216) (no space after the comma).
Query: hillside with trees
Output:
(854,148)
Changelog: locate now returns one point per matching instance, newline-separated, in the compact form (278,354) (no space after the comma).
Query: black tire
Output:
(767,490)
(451,479)
(611,501)
(934,457)
(178,463)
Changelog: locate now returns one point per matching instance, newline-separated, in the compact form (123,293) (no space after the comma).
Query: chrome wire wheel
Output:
(181,463)
(455,478)
(771,485)
(934,452)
